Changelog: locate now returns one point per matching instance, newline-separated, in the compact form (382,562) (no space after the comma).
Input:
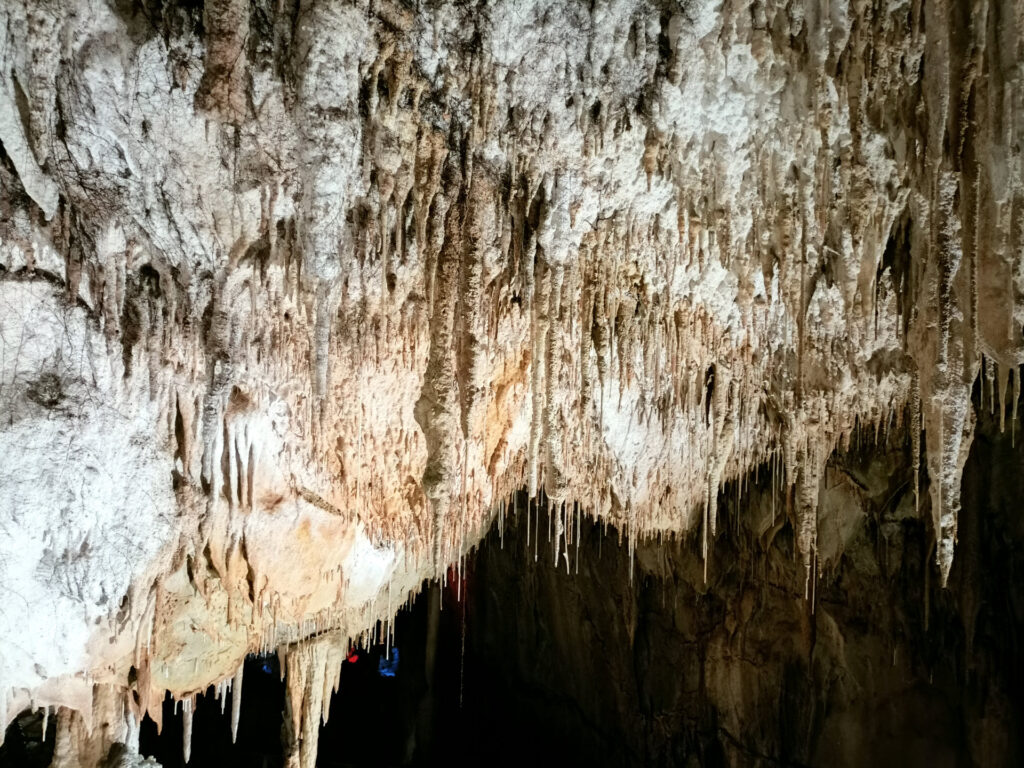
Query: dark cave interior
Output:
(525,663)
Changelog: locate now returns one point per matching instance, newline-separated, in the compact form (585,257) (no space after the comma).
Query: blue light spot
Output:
(388,667)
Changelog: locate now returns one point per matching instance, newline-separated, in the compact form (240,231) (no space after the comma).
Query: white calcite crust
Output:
(294,296)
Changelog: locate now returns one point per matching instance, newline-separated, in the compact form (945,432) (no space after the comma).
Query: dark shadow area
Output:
(881,667)
(259,725)
(385,712)
(24,745)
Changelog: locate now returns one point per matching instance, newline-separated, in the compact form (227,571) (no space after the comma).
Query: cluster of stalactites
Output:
(577,312)
(966,323)
(312,670)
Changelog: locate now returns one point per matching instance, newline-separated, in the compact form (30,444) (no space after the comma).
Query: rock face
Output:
(295,294)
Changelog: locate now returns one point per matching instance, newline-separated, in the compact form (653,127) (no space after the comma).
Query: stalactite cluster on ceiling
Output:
(295,295)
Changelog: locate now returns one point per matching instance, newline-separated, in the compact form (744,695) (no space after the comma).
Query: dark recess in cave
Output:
(535,666)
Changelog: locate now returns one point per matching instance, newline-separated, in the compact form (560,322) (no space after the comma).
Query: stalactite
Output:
(309,259)
(555,484)
(722,422)
(84,738)
(236,701)
(809,474)
(915,437)
(1003,375)
(186,728)
(949,421)
(313,666)
(435,410)
(540,304)
(479,231)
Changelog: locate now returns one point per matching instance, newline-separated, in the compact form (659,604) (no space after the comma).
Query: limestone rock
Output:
(295,294)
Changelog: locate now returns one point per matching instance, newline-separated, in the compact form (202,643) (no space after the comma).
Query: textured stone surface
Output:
(295,294)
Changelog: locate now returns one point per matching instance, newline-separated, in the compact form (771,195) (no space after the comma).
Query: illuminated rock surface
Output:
(295,295)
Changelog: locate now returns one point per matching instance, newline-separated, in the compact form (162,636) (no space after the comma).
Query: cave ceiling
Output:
(296,295)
